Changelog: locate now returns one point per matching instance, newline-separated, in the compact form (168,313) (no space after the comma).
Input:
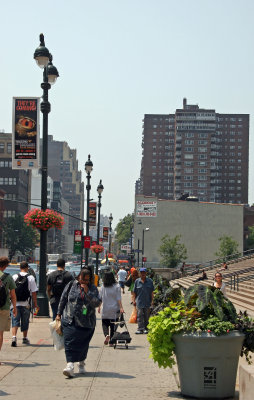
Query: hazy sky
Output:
(119,60)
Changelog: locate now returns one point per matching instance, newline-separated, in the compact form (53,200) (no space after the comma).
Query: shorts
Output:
(23,315)
(121,284)
(5,320)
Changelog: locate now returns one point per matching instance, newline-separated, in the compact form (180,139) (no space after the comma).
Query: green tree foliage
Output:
(228,247)
(18,236)
(250,240)
(172,252)
(123,229)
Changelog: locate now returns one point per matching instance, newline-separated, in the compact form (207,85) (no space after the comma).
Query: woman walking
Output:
(77,309)
(110,295)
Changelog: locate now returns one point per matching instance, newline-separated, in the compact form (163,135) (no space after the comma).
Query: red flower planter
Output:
(44,220)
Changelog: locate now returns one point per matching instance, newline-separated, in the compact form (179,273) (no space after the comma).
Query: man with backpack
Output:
(26,289)
(7,292)
(57,281)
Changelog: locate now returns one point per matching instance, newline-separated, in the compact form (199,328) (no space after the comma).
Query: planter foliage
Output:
(199,309)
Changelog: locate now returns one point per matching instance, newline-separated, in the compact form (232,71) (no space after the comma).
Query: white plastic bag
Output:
(58,340)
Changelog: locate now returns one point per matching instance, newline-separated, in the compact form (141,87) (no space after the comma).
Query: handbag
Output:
(134,316)
(128,282)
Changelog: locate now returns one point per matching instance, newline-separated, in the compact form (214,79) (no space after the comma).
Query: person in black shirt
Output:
(57,281)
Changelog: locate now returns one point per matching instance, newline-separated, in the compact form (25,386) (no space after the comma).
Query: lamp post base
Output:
(43,304)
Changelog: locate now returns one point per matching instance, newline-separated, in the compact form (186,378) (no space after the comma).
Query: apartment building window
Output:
(189,134)
(202,171)
(154,126)
(154,140)
(9,213)
(189,149)
(188,163)
(189,142)
(5,164)
(202,177)
(188,184)
(202,135)
(202,184)
(9,147)
(188,156)
(239,140)
(202,156)
(202,149)
(1,147)
(202,163)
(188,170)
(202,142)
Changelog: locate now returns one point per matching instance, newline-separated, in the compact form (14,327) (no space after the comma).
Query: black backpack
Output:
(3,293)
(58,284)
(22,291)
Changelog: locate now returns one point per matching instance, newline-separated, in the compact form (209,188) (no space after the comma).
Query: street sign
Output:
(138,251)
(126,247)
(87,242)
(77,241)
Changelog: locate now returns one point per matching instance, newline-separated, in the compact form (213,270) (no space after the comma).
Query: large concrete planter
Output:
(207,364)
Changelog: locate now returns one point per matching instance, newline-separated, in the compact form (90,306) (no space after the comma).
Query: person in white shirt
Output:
(25,289)
(121,277)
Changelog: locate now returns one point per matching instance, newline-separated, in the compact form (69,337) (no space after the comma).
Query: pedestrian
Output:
(77,311)
(110,295)
(57,281)
(121,277)
(143,299)
(134,277)
(8,296)
(219,284)
(26,289)
(202,277)
(182,269)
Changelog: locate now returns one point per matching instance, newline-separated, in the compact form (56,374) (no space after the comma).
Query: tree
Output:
(171,251)
(250,241)
(18,236)
(123,229)
(228,247)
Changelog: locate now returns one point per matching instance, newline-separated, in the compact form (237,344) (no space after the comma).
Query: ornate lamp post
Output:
(50,74)
(88,169)
(100,188)
(110,230)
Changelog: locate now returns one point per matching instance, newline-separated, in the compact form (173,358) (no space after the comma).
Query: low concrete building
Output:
(199,224)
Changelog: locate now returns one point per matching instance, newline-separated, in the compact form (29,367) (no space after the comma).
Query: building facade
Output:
(199,224)
(196,151)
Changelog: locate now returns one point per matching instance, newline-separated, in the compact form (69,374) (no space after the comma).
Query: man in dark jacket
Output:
(57,281)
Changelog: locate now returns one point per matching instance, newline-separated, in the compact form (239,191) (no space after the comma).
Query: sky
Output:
(119,60)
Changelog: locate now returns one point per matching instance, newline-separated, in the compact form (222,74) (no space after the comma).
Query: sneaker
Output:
(25,340)
(145,331)
(81,367)
(14,341)
(69,370)
(138,332)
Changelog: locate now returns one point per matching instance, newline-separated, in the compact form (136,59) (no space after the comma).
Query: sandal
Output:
(106,339)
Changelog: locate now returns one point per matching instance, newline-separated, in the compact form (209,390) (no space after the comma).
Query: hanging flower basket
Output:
(97,248)
(110,255)
(44,220)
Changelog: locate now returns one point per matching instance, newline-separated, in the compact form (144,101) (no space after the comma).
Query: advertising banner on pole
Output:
(92,213)
(105,234)
(77,241)
(25,132)
(87,242)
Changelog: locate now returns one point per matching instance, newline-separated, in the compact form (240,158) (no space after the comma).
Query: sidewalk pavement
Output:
(34,372)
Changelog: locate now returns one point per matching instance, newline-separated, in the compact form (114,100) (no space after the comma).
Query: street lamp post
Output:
(88,169)
(110,230)
(50,75)
(99,190)
(143,244)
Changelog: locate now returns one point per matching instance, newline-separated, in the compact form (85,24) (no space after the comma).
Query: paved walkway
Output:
(35,372)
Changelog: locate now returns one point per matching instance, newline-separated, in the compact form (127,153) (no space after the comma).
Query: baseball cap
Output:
(142,270)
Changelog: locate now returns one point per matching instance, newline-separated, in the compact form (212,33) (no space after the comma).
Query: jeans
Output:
(143,317)
(54,307)
(108,324)
(23,315)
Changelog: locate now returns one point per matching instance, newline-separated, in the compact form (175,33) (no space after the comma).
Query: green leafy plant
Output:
(172,252)
(199,309)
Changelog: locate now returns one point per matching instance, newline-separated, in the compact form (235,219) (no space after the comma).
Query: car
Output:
(51,268)
(34,266)
(12,270)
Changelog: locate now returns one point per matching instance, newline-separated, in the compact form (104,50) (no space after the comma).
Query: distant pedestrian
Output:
(77,309)
(143,299)
(182,269)
(7,290)
(57,281)
(202,277)
(26,289)
(110,295)
(121,277)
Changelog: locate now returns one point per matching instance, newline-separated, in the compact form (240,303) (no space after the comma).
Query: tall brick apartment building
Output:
(195,151)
